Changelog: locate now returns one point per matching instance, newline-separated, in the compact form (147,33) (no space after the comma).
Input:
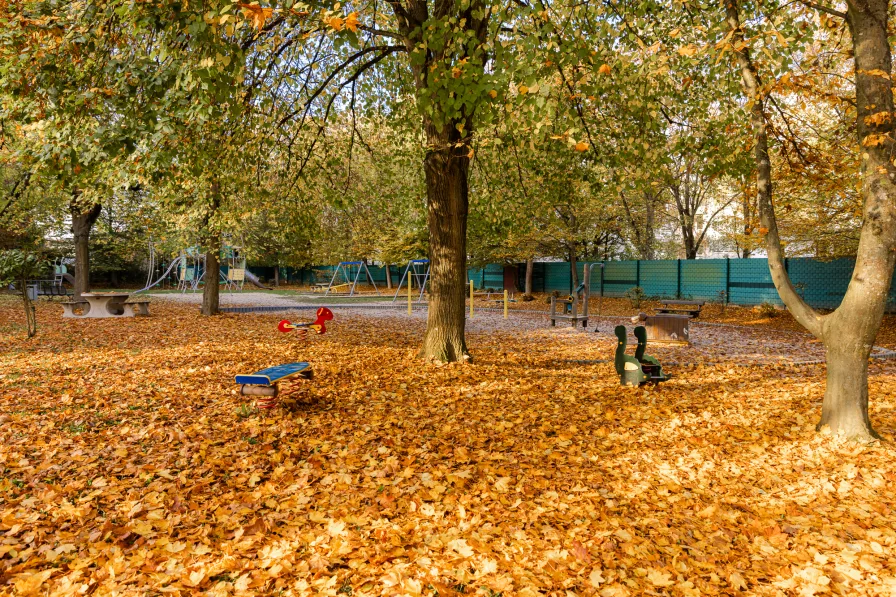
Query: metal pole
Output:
(505,303)
(409,296)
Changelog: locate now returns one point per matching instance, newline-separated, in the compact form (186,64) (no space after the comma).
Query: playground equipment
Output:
(666,327)
(641,368)
(347,268)
(416,272)
(570,305)
(235,263)
(191,268)
(265,384)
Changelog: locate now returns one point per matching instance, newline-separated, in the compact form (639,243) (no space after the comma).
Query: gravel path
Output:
(710,343)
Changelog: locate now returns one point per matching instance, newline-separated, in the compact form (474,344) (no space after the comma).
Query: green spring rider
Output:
(641,368)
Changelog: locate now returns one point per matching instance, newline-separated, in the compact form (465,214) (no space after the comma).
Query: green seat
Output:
(641,368)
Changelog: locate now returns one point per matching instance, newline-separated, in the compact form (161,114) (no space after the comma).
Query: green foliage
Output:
(636,296)
(17,265)
(768,310)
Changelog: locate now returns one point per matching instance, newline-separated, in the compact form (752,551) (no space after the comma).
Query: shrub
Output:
(635,295)
(768,310)
(526,298)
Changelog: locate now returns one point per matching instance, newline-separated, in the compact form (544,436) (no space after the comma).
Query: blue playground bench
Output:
(266,382)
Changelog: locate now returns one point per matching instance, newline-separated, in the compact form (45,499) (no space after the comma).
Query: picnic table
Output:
(689,308)
(97,305)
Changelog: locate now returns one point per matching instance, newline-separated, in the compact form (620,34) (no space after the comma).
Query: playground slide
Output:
(69,278)
(254,280)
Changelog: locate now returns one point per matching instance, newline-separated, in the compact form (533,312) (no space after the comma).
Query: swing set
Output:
(351,273)
(416,272)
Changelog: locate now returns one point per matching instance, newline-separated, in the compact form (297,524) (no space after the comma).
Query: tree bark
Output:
(388,277)
(573,270)
(849,332)
(277,276)
(446,167)
(530,270)
(211,291)
(445,164)
(82,223)
(647,250)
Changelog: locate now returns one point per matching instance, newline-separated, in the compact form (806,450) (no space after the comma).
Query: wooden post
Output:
(409,295)
(471,299)
(505,303)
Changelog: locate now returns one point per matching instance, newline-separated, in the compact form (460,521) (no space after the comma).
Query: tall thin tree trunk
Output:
(82,223)
(530,270)
(446,167)
(849,332)
(277,276)
(647,252)
(573,269)
(388,277)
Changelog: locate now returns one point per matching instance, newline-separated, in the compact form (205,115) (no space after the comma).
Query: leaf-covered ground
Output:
(128,465)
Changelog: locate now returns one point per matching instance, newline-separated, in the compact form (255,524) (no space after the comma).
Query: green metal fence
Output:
(737,281)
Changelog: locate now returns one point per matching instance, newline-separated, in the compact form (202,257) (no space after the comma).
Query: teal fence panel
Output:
(703,279)
(556,277)
(659,278)
(750,283)
(822,284)
(474,275)
(619,277)
(493,276)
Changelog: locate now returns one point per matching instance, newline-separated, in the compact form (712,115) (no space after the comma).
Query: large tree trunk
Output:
(530,270)
(446,163)
(849,332)
(211,292)
(446,167)
(82,223)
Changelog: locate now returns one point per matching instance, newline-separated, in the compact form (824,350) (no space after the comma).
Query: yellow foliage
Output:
(351,22)
(256,14)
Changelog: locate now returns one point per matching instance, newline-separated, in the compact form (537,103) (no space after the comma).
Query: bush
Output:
(526,298)
(768,310)
(635,295)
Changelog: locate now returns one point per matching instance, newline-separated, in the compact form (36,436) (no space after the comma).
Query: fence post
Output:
(727,280)
(678,282)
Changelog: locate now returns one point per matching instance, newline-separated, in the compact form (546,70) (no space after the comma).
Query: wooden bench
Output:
(138,307)
(319,287)
(689,308)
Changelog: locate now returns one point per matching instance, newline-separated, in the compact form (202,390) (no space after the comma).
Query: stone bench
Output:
(140,307)
(68,308)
